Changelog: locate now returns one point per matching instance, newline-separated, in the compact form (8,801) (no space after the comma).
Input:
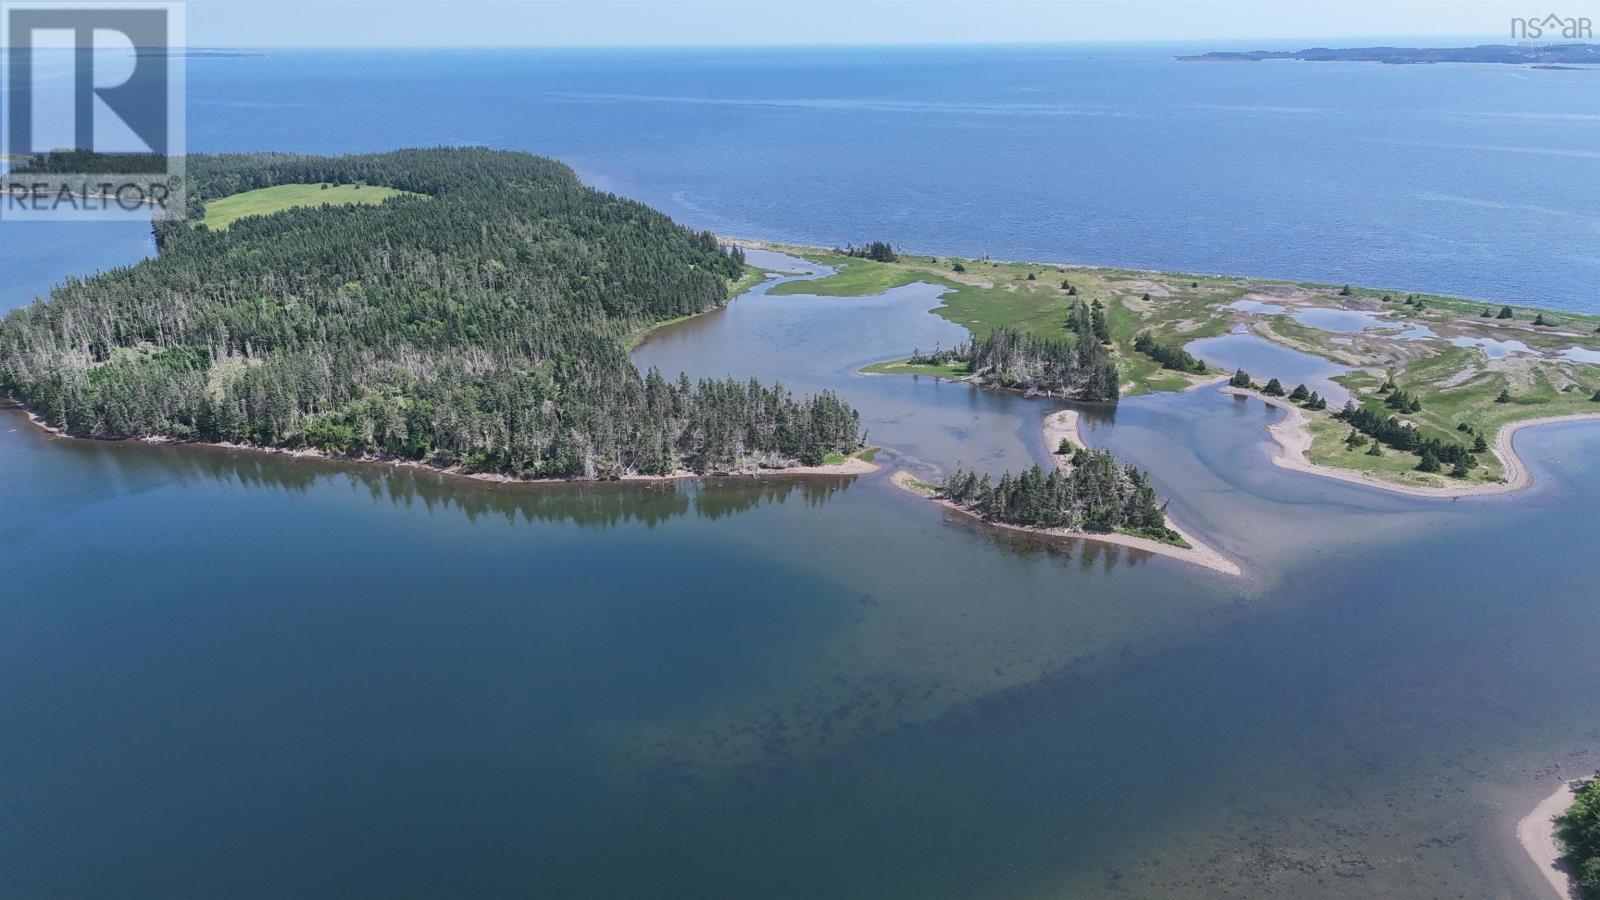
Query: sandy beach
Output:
(1198,554)
(1537,834)
(1061,426)
(853,465)
(1294,439)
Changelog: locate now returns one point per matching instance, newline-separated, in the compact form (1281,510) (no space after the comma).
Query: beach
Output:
(1537,835)
(1061,426)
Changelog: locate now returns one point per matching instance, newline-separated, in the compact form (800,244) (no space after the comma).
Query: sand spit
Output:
(1537,835)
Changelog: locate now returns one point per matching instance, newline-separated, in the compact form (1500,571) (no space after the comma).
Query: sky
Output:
(592,23)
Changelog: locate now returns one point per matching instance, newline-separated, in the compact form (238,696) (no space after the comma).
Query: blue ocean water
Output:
(228,674)
(1472,180)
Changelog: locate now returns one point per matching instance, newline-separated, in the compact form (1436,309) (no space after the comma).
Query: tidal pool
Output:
(1493,347)
(1582,354)
(1265,360)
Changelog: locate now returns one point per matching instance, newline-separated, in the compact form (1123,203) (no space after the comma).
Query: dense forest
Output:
(1082,368)
(482,325)
(1578,830)
(1096,494)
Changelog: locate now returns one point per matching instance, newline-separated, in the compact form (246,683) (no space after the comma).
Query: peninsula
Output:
(462,309)
(1412,392)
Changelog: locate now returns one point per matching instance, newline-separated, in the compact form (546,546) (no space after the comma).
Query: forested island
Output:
(1505,54)
(474,319)
(1092,494)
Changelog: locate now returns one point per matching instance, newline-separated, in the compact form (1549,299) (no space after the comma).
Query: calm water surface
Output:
(232,674)
(256,676)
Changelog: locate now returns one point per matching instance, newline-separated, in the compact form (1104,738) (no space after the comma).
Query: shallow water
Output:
(1495,348)
(1266,360)
(435,686)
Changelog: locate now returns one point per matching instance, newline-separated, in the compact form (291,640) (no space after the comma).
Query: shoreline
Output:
(1293,437)
(1197,554)
(852,465)
(1537,835)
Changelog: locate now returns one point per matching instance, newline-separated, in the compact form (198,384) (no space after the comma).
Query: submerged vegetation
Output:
(481,326)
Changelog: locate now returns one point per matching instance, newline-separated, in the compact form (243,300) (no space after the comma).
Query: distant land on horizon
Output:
(1510,54)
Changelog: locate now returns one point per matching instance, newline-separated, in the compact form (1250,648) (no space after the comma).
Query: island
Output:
(1410,392)
(1087,495)
(465,310)
(1543,56)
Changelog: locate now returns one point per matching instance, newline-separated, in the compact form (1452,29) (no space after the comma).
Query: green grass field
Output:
(855,278)
(222,212)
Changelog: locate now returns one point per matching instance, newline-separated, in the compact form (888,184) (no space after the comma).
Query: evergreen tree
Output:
(1273,388)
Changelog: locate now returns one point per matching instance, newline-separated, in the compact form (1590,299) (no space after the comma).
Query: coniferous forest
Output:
(482,325)
(1096,494)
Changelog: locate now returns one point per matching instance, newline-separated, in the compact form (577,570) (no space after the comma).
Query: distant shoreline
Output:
(852,465)
(1556,54)
(1292,434)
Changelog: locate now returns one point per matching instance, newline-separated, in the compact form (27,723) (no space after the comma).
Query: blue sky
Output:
(586,23)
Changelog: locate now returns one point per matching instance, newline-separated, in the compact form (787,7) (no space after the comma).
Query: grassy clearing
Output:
(855,278)
(222,212)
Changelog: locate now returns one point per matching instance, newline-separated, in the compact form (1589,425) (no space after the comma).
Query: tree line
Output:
(1170,356)
(877,251)
(481,325)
